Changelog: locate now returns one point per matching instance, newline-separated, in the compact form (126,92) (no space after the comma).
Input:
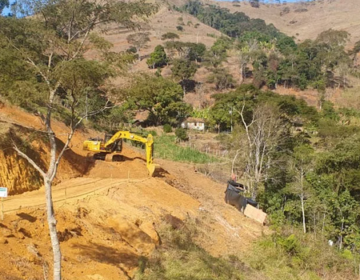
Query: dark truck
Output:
(234,196)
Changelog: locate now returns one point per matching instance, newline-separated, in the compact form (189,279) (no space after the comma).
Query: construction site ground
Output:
(108,217)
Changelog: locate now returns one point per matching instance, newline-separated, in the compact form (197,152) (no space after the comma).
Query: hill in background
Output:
(305,20)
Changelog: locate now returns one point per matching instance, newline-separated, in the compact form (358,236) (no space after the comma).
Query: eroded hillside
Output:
(109,218)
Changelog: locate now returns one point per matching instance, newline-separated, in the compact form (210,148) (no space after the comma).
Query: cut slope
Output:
(27,131)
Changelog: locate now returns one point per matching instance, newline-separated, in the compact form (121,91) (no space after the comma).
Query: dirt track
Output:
(68,191)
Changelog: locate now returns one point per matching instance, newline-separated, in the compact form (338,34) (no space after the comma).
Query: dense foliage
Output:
(157,58)
(309,173)
(160,97)
(232,24)
(271,58)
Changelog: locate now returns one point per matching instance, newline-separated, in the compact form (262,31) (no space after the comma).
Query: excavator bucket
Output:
(152,168)
(109,157)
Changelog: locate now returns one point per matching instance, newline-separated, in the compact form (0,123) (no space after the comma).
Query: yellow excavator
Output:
(109,149)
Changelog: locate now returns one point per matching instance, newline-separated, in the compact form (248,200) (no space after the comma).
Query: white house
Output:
(194,123)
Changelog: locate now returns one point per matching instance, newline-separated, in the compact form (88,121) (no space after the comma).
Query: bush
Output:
(132,49)
(153,133)
(181,134)
(167,128)
(180,257)
(180,28)
(170,36)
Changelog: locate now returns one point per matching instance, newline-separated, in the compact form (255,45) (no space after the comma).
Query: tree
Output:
(263,132)
(157,58)
(170,36)
(222,79)
(232,101)
(217,53)
(183,69)
(186,50)
(354,52)
(255,3)
(3,4)
(301,166)
(161,97)
(51,46)
(139,40)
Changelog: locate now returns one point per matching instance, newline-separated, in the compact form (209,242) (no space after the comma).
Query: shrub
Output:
(285,11)
(180,257)
(132,49)
(167,128)
(153,133)
(181,134)
(180,28)
(301,10)
(170,36)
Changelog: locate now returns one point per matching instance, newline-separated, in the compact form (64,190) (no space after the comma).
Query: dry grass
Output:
(320,16)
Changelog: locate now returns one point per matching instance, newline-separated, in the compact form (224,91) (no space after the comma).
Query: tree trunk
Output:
(241,74)
(303,212)
(302,200)
(138,51)
(233,161)
(52,229)
(254,191)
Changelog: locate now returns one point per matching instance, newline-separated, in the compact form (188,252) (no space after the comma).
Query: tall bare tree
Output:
(52,45)
(300,165)
(263,132)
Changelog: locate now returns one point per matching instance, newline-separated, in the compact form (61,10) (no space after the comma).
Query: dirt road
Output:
(68,191)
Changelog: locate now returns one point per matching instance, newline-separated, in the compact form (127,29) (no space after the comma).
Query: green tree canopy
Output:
(221,78)
(161,97)
(182,70)
(157,58)
(3,4)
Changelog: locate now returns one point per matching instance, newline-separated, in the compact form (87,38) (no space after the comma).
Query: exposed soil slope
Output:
(108,218)
(27,131)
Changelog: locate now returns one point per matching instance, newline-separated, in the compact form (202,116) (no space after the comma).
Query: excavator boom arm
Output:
(149,141)
(106,147)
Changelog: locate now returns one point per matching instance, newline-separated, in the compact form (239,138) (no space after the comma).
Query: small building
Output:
(194,123)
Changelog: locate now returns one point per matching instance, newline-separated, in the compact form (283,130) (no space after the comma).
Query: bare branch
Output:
(71,134)
(25,156)
(50,62)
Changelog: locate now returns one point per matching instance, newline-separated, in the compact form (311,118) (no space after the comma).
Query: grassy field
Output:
(166,148)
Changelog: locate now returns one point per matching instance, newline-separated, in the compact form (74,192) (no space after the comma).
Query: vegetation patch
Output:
(180,258)
(165,147)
